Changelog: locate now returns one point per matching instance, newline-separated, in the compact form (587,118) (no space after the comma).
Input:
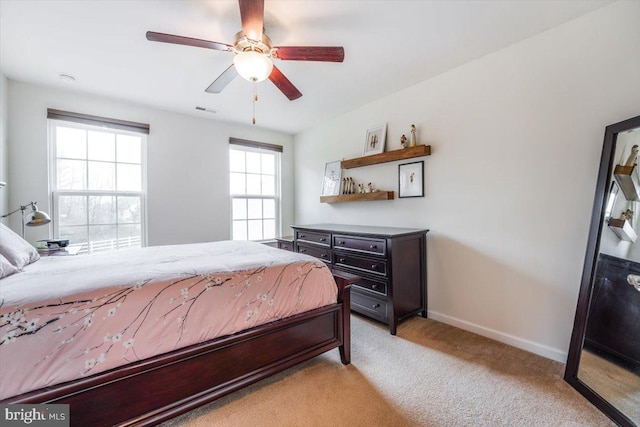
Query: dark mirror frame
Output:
(586,284)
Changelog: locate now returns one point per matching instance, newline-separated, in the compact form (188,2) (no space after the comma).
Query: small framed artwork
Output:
(611,201)
(332,179)
(376,138)
(411,179)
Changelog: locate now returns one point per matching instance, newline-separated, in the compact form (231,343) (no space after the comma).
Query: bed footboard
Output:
(154,390)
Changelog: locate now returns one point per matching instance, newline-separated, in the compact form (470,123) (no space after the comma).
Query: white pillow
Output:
(6,269)
(15,249)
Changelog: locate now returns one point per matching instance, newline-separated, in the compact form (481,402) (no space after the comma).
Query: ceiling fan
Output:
(254,52)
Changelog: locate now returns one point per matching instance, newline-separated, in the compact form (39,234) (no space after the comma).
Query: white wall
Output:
(187,163)
(516,138)
(4,147)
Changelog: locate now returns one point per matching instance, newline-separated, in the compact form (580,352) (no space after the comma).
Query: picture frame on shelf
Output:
(611,200)
(411,180)
(375,141)
(332,179)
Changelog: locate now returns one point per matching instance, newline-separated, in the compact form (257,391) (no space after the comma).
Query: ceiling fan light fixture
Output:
(253,65)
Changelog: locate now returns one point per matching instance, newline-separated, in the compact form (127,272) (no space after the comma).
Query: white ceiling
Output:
(389,46)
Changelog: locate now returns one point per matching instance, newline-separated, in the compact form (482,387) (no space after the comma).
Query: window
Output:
(98,184)
(255,190)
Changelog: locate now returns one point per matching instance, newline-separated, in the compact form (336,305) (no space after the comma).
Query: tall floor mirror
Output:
(604,354)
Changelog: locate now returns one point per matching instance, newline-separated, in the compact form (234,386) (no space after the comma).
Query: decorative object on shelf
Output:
(33,219)
(371,188)
(331,181)
(348,186)
(403,141)
(611,200)
(413,140)
(411,180)
(633,157)
(375,140)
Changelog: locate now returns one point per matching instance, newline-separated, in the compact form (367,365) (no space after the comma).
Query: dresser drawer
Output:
(369,305)
(372,246)
(313,237)
(321,253)
(373,285)
(374,266)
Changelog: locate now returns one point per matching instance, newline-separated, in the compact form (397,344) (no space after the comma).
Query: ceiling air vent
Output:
(206,110)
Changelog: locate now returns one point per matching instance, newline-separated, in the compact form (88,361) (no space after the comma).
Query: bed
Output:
(139,336)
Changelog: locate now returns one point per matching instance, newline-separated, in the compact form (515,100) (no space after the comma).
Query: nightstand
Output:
(285,243)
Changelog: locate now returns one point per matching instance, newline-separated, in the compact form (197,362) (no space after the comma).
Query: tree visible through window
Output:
(98,186)
(255,192)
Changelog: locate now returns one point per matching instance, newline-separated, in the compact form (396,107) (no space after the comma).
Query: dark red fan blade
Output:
(283,83)
(187,41)
(223,80)
(252,15)
(310,53)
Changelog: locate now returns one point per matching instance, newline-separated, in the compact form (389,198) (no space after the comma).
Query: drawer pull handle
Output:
(323,255)
(341,242)
(323,239)
(302,236)
(376,305)
(374,267)
(342,260)
(374,286)
(302,251)
(373,246)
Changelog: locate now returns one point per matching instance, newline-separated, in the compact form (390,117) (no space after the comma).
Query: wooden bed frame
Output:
(154,390)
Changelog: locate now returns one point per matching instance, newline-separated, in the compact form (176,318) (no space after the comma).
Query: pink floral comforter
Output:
(70,317)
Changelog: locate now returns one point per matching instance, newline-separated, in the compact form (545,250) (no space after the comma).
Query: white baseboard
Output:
(530,346)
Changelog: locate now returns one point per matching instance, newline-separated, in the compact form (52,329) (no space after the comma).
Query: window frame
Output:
(257,147)
(55,193)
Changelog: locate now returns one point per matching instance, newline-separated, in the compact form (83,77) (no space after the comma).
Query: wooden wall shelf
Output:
(623,230)
(627,181)
(359,197)
(389,156)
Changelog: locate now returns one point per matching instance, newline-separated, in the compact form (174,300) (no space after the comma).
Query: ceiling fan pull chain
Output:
(255,99)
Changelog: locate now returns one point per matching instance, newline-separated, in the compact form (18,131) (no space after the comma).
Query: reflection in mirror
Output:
(604,356)
(611,200)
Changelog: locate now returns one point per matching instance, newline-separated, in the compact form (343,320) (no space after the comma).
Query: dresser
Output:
(613,325)
(391,262)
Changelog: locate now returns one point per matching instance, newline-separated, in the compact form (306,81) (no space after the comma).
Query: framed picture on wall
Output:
(332,179)
(411,180)
(375,140)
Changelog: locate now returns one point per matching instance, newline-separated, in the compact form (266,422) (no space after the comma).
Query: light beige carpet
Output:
(430,374)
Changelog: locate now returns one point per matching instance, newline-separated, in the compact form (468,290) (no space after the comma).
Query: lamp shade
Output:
(253,66)
(36,217)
